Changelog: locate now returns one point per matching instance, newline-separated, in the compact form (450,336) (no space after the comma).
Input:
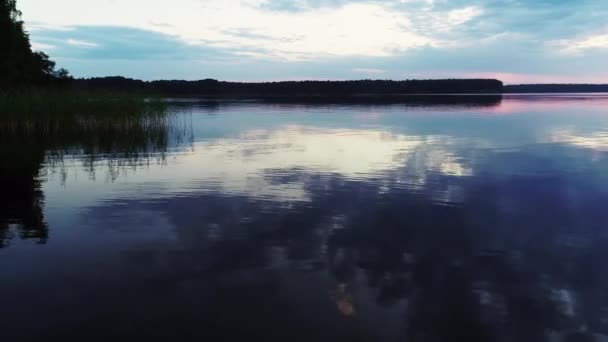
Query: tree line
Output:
(211,87)
(556,88)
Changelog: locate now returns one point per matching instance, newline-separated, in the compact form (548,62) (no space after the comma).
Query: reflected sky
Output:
(273,163)
(264,151)
(321,222)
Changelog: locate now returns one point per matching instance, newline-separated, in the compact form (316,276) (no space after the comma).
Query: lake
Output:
(452,219)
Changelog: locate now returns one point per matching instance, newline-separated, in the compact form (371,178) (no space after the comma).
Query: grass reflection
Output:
(32,139)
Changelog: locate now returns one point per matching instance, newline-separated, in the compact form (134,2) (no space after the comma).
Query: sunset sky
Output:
(265,40)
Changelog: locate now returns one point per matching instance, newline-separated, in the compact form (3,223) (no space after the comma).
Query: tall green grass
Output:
(93,124)
(38,103)
(42,129)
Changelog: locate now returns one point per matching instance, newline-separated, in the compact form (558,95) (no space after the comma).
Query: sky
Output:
(517,41)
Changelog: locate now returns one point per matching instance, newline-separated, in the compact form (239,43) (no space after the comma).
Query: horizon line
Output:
(342,80)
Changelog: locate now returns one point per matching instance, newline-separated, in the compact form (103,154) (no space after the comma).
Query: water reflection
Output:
(30,149)
(22,200)
(506,263)
(417,101)
(275,164)
(595,141)
(289,223)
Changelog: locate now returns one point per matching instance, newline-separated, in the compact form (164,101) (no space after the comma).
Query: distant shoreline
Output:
(555,88)
(355,89)
(299,89)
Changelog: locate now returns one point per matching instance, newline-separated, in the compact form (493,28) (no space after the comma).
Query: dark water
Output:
(460,221)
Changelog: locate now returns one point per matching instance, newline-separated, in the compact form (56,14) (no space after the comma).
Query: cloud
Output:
(36,46)
(81,43)
(463,15)
(370,71)
(579,46)
(334,39)
(122,43)
(309,5)
(318,32)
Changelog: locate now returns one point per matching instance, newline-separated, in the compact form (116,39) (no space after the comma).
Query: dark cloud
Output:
(109,42)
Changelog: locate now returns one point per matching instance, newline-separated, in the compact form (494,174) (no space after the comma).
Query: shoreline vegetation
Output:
(358,89)
(64,103)
(124,97)
(291,89)
(555,88)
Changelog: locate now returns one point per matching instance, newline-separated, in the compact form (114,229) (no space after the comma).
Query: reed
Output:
(58,122)
(43,103)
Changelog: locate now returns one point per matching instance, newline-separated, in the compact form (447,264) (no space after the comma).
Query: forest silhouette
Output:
(211,87)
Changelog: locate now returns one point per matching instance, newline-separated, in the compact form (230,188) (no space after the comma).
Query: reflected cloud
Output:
(275,163)
(595,141)
(279,165)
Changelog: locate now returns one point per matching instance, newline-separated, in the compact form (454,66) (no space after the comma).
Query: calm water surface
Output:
(455,221)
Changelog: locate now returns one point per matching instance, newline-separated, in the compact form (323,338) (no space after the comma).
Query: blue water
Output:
(316,222)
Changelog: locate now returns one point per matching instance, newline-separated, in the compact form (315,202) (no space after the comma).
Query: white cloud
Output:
(37,46)
(599,41)
(463,15)
(82,43)
(371,71)
(357,29)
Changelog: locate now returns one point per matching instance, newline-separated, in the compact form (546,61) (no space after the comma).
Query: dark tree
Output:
(557,88)
(19,65)
(363,89)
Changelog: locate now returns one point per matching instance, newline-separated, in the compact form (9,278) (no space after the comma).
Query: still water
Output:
(463,220)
